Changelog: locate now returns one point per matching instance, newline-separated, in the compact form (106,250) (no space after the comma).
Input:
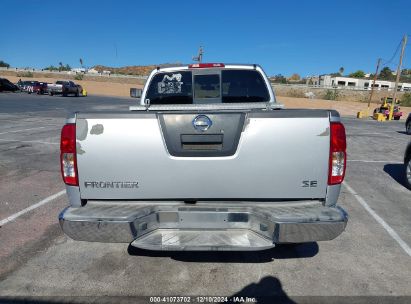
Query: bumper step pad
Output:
(200,240)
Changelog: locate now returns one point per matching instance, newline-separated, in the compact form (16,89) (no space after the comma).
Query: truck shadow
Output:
(396,171)
(284,251)
(268,290)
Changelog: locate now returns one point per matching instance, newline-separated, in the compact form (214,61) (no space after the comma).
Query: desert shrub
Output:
(363,98)
(406,100)
(295,93)
(331,94)
(27,74)
(79,76)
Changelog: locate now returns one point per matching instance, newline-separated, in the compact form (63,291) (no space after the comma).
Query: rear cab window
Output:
(243,86)
(171,88)
(207,86)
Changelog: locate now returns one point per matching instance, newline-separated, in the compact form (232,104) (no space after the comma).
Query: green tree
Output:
(386,74)
(4,64)
(341,71)
(60,68)
(280,79)
(357,74)
(51,68)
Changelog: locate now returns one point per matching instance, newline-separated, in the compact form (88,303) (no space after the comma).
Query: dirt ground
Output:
(123,90)
(343,107)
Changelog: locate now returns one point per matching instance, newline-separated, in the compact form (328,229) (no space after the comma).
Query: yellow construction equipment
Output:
(385,108)
(360,114)
(379,117)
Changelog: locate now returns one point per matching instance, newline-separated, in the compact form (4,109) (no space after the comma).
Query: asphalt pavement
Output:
(372,258)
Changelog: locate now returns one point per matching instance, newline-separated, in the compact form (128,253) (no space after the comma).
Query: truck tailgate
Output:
(267,155)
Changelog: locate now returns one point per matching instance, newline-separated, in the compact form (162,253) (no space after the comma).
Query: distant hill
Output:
(141,70)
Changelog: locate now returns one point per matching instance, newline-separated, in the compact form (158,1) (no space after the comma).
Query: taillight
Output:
(338,155)
(205,65)
(68,159)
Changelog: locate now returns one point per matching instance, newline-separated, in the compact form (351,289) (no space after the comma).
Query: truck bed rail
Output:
(205,107)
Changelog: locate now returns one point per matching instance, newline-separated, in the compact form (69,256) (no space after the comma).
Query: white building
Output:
(79,70)
(92,71)
(360,83)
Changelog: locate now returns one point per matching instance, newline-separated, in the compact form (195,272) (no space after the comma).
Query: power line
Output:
(393,56)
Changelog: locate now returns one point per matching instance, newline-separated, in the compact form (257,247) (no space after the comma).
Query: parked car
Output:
(7,85)
(407,166)
(33,87)
(41,88)
(22,85)
(208,160)
(65,88)
(408,124)
(38,87)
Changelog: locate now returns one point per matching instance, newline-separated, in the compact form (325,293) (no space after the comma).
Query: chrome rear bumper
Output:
(204,226)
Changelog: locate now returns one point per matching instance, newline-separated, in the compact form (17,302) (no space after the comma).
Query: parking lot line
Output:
(32,207)
(22,130)
(30,141)
(383,223)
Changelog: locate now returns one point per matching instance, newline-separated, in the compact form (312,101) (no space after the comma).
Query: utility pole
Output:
(199,57)
(397,79)
(373,85)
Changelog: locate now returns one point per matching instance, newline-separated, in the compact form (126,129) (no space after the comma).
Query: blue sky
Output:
(306,37)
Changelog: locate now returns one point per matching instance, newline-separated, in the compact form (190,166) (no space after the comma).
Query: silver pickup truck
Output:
(64,88)
(208,160)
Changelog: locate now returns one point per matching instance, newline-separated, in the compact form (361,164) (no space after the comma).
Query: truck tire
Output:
(77,93)
(408,128)
(396,117)
(51,93)
(407,172)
